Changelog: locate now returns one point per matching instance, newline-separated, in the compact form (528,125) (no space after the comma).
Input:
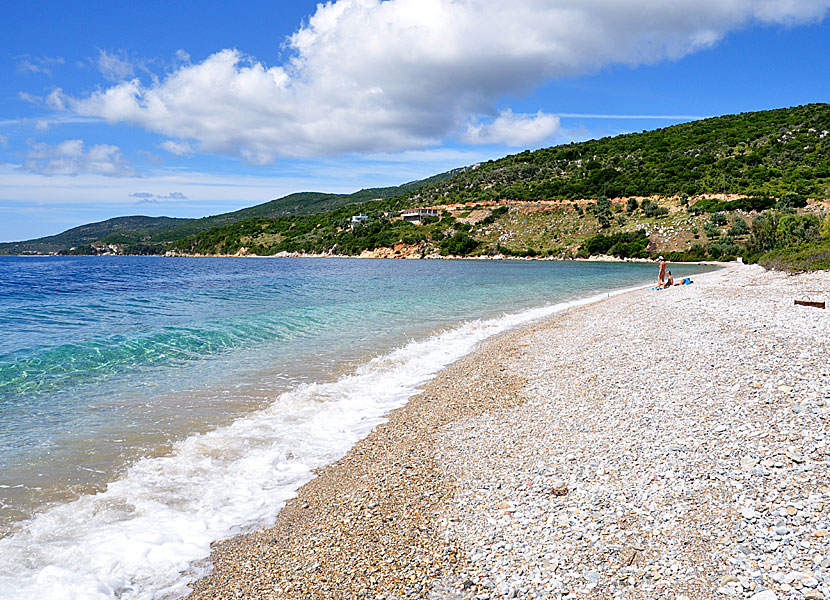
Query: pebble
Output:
(687,471)
(644,447)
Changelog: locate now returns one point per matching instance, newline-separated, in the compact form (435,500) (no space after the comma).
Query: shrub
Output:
(694,254)
(711,230)
(458,244)
(789,202)
(773,230)
(739,227)
(631,205)
(718,219)
(712,205)
(495,214)
(807,257)
(631,244)
(652,209)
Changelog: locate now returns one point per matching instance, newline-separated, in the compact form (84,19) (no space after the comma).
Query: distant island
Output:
(754,185)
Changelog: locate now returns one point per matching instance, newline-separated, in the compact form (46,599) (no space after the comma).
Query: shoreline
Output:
(415,511)
(596,258)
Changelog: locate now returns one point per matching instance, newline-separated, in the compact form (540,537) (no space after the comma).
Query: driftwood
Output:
(810,303)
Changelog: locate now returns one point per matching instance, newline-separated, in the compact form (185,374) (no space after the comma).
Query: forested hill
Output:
(150,234)
(766,155)
(769,153)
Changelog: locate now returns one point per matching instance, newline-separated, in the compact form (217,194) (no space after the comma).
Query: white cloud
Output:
(386,76)
(177,148)
(71,158)
(4,141)
(113,66)
(38,64)
(149,197)
(514,129)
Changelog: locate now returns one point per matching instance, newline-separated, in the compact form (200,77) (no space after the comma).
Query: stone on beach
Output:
(653,445)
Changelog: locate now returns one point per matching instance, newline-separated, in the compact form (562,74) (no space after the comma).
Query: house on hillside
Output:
(358,219)
(417,215)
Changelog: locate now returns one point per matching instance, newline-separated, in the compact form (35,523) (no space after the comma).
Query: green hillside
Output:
(92,232)
(767,153)
(747,184)
(712,189)
(149,235)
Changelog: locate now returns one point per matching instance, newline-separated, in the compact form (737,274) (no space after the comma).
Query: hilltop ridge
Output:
(718,187)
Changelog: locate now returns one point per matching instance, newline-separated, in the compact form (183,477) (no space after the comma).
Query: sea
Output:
(150,406)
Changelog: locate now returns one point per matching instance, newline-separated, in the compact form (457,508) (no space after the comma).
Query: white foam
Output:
(141,537)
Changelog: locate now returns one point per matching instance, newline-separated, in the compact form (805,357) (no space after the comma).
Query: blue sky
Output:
(186,110)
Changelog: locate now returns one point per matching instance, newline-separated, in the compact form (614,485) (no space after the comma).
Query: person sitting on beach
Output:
(661,274)
(669,280)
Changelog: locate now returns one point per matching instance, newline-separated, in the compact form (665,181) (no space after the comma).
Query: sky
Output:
(191,109)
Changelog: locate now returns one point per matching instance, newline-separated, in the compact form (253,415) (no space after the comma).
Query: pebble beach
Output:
(668,444)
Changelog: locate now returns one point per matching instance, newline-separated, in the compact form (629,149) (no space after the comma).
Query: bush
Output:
(712,205)
(718,219)
(458,244)
(630,244)
(808,257)
(694,254)
(631,205)
(739,227)
(723,249)
(774,230)
(495,214)
(652,209)
(602,211)
(711,230)
(789,202)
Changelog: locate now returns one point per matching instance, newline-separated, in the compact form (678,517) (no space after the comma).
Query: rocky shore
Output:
(670,444)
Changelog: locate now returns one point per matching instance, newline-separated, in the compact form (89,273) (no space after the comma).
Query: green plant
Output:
(458,244)
(630,244)
(807,257)
(653,209)
(602,211)
(739,227)
(718,219)
(711,230)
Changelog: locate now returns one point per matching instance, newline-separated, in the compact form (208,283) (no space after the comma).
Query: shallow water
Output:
(150,406)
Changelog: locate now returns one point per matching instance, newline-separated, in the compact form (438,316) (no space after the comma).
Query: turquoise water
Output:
(135,378)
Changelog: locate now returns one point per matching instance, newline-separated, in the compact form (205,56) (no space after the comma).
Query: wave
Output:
(143,536)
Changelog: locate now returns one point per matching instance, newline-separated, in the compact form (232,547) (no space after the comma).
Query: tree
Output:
(602,211)
(631,205)
(739,227)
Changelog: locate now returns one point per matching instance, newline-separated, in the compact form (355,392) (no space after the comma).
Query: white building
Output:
(417,215)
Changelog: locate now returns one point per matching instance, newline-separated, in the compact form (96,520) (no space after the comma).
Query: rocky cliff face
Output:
(399,250)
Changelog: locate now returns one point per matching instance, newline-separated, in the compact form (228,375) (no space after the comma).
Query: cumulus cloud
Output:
(71,158)
(513,129)
(387,76)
